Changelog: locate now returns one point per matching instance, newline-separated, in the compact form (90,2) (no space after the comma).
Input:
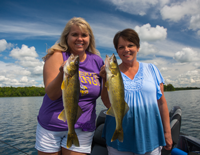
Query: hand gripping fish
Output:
(115,87)
(70,94)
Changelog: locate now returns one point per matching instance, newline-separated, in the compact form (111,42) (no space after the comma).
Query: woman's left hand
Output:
(102,72)
(168,140)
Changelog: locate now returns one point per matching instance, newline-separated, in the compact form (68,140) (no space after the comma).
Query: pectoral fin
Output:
(63,85)
(62,116)
(79,112)
(110,112)
(126,108)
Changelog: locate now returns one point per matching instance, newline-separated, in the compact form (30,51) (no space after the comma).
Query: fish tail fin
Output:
(72,139)
(118,134)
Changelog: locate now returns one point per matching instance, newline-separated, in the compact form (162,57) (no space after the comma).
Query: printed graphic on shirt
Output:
(87,78)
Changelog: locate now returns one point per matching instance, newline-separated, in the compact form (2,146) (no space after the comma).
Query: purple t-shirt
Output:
(91,82)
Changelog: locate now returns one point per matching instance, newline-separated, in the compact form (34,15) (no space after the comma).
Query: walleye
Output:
(70,94)
(115,87)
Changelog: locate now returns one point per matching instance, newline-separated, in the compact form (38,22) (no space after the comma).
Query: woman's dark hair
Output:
(127,34)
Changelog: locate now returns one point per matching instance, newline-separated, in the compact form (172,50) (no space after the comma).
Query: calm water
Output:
(19,118)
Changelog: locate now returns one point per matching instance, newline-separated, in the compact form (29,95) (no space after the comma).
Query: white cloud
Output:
(177,74)
(15,75)
(24,79)
(24,52)
(179,10)
(198,32)
(148,33)
(31,29)
(26,71)
(186,55)
(4,45)
(137,7)
(174,11)
(146,49)
(195,22)
(27,57)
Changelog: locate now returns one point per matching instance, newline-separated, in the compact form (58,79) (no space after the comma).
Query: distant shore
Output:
(40,91)
(21,91)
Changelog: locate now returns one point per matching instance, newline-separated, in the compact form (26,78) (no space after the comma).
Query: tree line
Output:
(21,91)
(40,91)
(170,87)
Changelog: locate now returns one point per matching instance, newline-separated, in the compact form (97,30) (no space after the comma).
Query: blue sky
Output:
(169,31)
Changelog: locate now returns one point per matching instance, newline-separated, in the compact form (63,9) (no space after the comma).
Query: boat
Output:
(182,144)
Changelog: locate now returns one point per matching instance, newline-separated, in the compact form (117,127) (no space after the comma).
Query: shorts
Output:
(112,151)
(52,141)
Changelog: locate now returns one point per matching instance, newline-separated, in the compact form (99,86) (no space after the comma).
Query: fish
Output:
(70,94)
(115,87)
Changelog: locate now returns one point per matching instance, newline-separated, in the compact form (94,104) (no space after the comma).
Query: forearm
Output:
(53,89)
(164,112)
(104,95)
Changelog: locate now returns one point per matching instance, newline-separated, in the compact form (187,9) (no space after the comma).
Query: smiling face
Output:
(78,40)
(127,50)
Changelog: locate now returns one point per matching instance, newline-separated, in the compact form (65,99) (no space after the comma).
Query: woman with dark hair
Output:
(146,126)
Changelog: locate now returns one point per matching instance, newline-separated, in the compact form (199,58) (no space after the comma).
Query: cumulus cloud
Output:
(27,57)
(186,55)
(24,52)
(148,33)
(171,10)
(195,22)
(179,10)
(146,49)
(137,7)
(191,78)
(4,45)
(15,75)
(26,70)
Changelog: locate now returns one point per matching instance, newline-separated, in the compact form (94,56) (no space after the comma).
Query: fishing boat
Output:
(182,144)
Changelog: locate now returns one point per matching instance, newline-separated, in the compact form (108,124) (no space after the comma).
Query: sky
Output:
(169,32)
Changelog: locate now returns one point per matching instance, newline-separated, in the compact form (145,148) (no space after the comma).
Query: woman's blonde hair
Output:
(61,44)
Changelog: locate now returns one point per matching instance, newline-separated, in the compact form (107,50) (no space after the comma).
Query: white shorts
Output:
(112,151)
(52,141)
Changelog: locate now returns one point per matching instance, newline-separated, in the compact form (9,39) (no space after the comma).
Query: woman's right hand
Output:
(62,67)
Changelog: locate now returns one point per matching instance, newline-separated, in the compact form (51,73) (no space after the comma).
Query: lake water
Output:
(19,119)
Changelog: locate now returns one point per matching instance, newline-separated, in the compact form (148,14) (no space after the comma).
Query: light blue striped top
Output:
(142,125)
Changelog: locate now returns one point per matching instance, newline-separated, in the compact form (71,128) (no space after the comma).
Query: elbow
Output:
(53,95)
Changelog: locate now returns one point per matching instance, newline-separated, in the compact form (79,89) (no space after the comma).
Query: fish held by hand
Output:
(70,94)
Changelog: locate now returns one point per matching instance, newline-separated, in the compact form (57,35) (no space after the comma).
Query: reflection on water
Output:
(19,118)
(189,101)
(18,123)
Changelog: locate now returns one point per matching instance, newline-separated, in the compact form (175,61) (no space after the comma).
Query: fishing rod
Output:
(14,147)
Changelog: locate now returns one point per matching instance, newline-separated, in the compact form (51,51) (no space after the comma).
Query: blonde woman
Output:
(51,134)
